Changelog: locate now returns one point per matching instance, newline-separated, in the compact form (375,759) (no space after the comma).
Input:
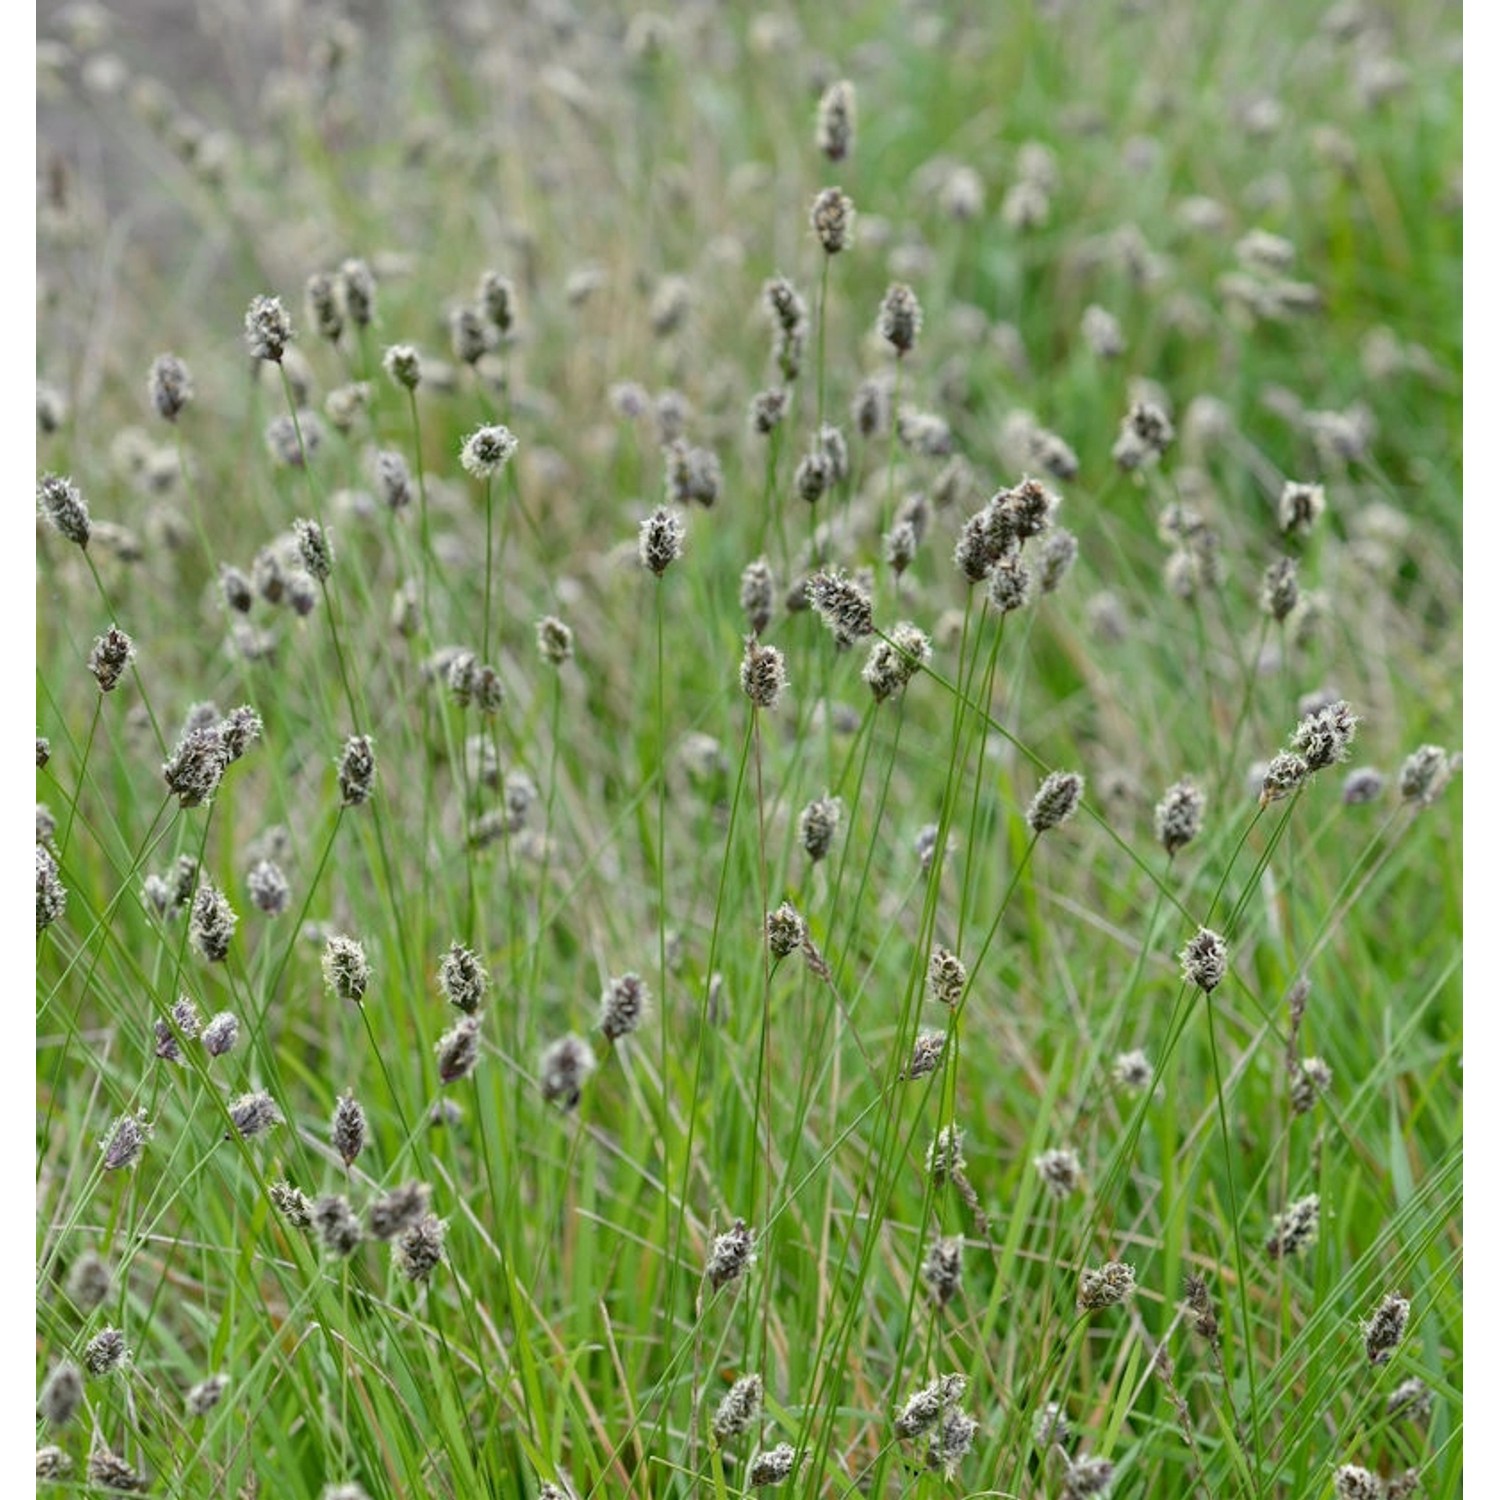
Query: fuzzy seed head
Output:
(357,284)
(404,366)
(357,770)
(1385,1329)
(1179,816)
(211,924)
(818,825)
(458,1050)
(623,1006)
(1310,1078)
(767,410)
(833,219)
(946,977)
(51,893)
(565,1068)
(762,673)
(871,408)
(321,301)
(900,318)
(1285,773)
(52,1462)
(292,1204)
(1010,583)
(785,930)
(61,502)
(170,386)
(731,1255)
(1056,801)
(1412,1400)
(926,1054)
(270,892)
(105,1352)
(1299,508)
(337,1225)
(497,296)
(125,1142)
(661,539)
(1200,1305)
(203,1397)
(350,1130)
(1205,960)
(952,1441)
(836,119)
(220,1033)
(418,1251)
(1293,1231)
(1086,1477)
(1323,738)
(487,450)
(346,970)
(397,1210)
(893,663)
(1105,1286)
(739,1408)
(62,1394)
(1132,1070)
(1350,1482)
(1279,591)
(463,979)
(268,329)
(90,1281)
(842,605)
(1423,775)
(253,1114)
(1051,1427)
(554,640)
(757,594)
(110,1472)
(1058,554)
(393,480)
(1061,1172)
(772,1467)
(468,335)
(942,1270)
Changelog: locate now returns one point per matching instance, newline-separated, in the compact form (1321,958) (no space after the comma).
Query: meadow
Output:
(748,770)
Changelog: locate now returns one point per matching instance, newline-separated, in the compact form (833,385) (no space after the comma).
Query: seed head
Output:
(203,1397)
(458,1050)
(337,1224)
(220,1033)
(893,663)
(253,1114)
(951,1442)
(269,889)
(565,1068)
(833,219)
(623,1006)
(1056,801)
(1200,1305)
(346,971)
(1278,590)
(105,1352)
(349,1128)
(239,729)
(463,979)
(554,640)
(268,329)
(1051,1427)
(110,1472)
(62,503)
(731,1255)
(321,301)
(901,546)
(170,386)
(1412,1399)
(785,930)
(396,1210)
(661,540)
(1384,1330)
(357,770)
(843,606)
(52,1462)
(315,548)
(1323,738)
(942,1271)
(393,480)
(1299,508)
(900,318)
(487,450)
(51,893)
(62,1394)
(292,1204)
(757,594)
(90,1282)
(772,1467)
(1102,332)
(1283,776)
(404,365)
(1179,816)
(785,304)
(357,283)
(123,1146)
(1293,1231)
(211,924)
(1145,433)
(946,977)
(1058,554)
(1061,1171)
(1205,960)
(762,673)
(1132,1070)
(926,1054)
(497,296)
(1424,773)
(418,1251)
(767,409)
(1350,1482)
(836,120)
(924,1409)
(1085,1477)
(871,408)
(468,335)
(739,1408)
(818,824)
(1311,1077)
(1107,1286)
